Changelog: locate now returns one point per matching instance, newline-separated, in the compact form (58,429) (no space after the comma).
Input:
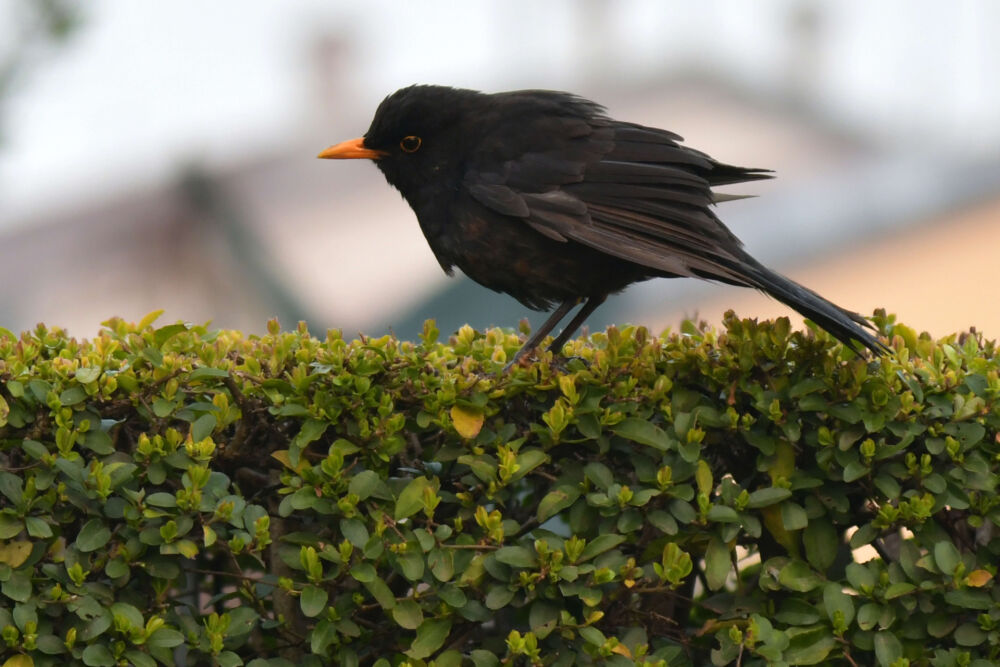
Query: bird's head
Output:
(415,137)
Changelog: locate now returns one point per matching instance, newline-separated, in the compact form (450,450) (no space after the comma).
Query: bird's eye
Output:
(410,144)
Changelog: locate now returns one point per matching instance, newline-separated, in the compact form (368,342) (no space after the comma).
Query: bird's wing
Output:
(627,190)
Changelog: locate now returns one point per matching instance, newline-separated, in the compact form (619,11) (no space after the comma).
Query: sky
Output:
(141,88)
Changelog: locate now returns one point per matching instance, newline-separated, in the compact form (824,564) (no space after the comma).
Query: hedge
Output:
(756,495)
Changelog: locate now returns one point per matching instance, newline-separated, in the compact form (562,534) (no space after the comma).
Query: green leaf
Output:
(795,611)
(408,614)
(643,432)
(228,659)
(241,621)
(87,374)
(768,496)
(682,511)
(100,620)
(556,501)
(39,389)
(72,396)
(528,460)
(365,484)
(165,638)
(12,487)
(969,634)
(820,541)
(99,442)
(363,572)
(868,615)
(807,386)
(835,599)
(426,539)
(313,600)
(116,568)
(599,545)
(162,499)
(98,655)
(312,430)
(717,563)
(207,372)
(498,597)
(381,592)
(863,535)
(139,659)
(34,449)
(10,526)
(543,617)
(663,522)
(165,333)
(162,407)
(722,514)
(941,625)
(847,412)
(412,564)
(354,531)
(484,467)
(50,645)
(430,637)
(793,517)
(128,612)
(969,599)
(592,635)
(322,636)
(162,567)
(38,527)
(203,427)
(798,576)
(92,536)
(599,474)
(17,587)
(411,498)
(889,486)
(453,596)
(887,648)
(517,556)
(808,646)
(703,477)
(442,564)
(899,589)
(483,658)
(946,556)
(854,471)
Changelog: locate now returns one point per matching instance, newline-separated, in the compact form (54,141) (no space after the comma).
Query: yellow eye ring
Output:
(410,143)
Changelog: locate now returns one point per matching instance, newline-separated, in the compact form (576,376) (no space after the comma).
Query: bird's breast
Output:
(505,254)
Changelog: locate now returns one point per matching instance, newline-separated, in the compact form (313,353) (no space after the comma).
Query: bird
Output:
(543,196)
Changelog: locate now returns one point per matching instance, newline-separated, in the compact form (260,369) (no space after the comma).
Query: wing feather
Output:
(629,191)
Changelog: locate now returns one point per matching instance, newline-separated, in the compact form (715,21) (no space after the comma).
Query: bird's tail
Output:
(844,325)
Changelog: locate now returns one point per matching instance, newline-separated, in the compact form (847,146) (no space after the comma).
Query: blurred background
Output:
(162,155)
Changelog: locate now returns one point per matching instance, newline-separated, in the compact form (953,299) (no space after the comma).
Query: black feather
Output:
(541,195)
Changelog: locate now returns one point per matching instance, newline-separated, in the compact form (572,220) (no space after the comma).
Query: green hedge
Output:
(178,495)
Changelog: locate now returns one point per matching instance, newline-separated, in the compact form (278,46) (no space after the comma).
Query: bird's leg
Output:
(543,331)
(536,337)
(574,324)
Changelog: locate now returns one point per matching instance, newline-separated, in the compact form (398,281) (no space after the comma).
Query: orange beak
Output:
(350,150)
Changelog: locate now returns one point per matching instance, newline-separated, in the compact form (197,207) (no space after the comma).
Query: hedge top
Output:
(755,496)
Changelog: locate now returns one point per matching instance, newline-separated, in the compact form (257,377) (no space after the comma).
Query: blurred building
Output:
(867,217)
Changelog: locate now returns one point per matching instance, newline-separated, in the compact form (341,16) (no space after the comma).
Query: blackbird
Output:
(543,196)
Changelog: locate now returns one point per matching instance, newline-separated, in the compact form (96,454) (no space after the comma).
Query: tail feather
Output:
(844,325)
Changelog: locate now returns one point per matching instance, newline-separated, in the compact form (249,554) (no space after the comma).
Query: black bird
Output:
(542,195)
